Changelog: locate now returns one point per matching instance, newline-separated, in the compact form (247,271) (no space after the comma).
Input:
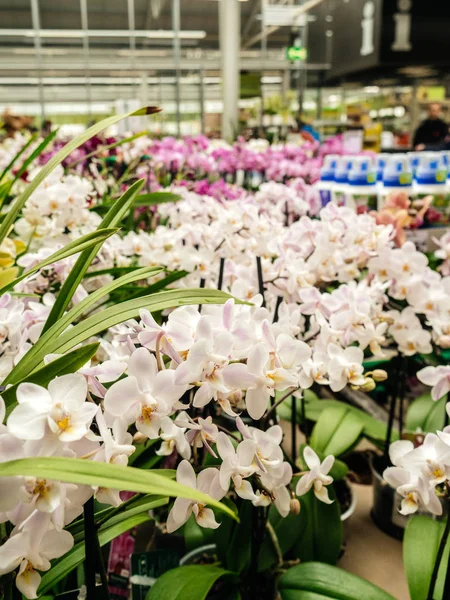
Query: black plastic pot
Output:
(387,501)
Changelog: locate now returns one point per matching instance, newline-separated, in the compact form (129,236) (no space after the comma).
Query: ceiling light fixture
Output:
(162,34)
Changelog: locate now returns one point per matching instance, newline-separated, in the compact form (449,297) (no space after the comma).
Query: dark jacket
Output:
(431,131)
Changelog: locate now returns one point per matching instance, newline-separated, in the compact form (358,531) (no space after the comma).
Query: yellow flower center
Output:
(63,423)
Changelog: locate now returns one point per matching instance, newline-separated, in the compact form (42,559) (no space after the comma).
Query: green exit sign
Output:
(296,53)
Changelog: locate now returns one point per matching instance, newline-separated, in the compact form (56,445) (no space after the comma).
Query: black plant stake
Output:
(90,546)
(437,564)
(260,279)
(277,308)
(401,395)
(294,428)
(221,270)
(93,555)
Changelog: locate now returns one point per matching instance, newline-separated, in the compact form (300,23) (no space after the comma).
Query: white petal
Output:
(121,396)
(70,390)
(179,514)
(282,501)
(257,359)
(28,582)
(186,474)
(203,395)
(246,452)
(396,476)
(164,387)
(205,479)
(321,493)
(12,552)
(30,392)
(143,366)
(224,446)
(206,518)
(55,543)
(256,400)
(429,376)
(441,388)
(237,376)
(304,484)
(327,465)
(311,458)
(398,449)
(27,422)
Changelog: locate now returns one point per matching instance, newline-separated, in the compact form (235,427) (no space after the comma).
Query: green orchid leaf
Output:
(154,198)
(69,363)
(322,536)
(24,148)
(337,430)
(112,316)
(192,582)
(111,219)
(318,581)
(420,547)
(79,245)
(118,477)
(426,414)
(57,159)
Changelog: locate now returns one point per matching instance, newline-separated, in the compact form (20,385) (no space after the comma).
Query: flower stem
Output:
(278,402)
(437,563)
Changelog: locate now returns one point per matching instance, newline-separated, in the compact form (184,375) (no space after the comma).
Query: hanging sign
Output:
(297,53)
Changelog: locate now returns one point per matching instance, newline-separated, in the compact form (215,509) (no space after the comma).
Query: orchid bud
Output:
(139,438)
(368,385)
(379,375)
(295,506)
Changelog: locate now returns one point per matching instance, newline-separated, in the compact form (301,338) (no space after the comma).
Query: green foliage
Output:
(69,363)
(317,581)
(192,582)
(322,536)
(120,208)
(337,430)
(426,414)
(57,159)
(106,475)
(79,245)
(420,546)
(109,317)
(288,530)
(373,429)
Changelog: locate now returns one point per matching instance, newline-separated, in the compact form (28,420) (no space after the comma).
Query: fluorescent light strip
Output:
(162,34)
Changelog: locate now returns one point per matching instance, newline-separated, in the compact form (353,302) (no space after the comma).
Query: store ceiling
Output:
(199,15)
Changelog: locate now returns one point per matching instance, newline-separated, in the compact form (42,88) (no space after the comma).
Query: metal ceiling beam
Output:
(250,20)
(304,8)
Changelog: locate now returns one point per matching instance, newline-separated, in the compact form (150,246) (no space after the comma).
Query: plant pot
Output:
(387,501)
(353,501)
(194,556)
(207,555)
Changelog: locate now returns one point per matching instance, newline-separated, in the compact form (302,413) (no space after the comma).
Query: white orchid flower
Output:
(207,482)
(317,478)
(238,464)
(438,378)
(146,396)
(61,411)
(345,366)
(259,378)
(173,438)
(31,549)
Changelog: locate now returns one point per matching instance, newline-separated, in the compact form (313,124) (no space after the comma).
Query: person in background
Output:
(433,130)
(306,130)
